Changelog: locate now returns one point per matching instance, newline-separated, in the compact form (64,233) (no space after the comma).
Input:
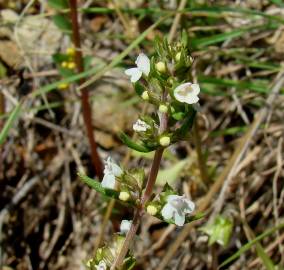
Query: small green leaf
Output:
(66,72)
(139,88)
(186,126)
(3,71)
(133,145)
(98,187)
(62,23)
(58,4)
(9,123)
(58,58)
(219,231)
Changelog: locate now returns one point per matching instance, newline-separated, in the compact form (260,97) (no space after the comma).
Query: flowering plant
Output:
(163,82)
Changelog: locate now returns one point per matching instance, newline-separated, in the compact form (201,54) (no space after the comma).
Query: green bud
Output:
(178,56)
(124,196)
(152,210)
(163,108)
(145,95)
(161,67)
(165,141)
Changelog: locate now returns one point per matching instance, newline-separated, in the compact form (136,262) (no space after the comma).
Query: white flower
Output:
(140,125)
(111,171)
(143,67)
(187,93)
(177,207)
(101,266)
(125,226)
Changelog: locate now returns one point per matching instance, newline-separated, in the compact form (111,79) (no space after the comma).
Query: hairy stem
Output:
(87,113)
(146,196)
(139,211)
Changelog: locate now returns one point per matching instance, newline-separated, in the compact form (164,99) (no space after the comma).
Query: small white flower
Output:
(125,226)
(140,125)
(187,93)
(111,171)
(177,207)
(143,67)
(101,266)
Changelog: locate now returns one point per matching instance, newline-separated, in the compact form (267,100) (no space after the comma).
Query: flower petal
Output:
(173,197)
(108,181)
(187,93)
(140,125)
(116,170)
(125,226)
(143,63)
(134,73)
(190,206)
(179,219)
(168,211)
(195,88)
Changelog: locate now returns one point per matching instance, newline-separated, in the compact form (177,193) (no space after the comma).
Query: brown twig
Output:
(87,115)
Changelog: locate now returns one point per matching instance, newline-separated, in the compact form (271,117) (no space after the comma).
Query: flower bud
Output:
(165,141)
(64,64)
(70,51)
(152,210)
(71,65)
(63,86)
(145,95)
(124,196)
(161,67)
(163,108)
(178,56)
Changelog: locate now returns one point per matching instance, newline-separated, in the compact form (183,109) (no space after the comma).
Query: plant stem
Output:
(87,113)
(139,211)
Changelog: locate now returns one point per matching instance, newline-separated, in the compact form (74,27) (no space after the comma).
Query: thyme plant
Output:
(162,81)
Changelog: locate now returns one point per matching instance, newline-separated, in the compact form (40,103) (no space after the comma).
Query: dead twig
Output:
(226,174)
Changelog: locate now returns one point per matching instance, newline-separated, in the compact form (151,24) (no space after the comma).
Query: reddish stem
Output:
(87,113)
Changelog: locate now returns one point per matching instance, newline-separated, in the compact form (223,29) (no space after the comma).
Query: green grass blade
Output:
(9,123)
(256,87)
(248,245)
(267,262)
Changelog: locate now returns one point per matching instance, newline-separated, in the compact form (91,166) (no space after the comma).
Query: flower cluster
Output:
(163,81)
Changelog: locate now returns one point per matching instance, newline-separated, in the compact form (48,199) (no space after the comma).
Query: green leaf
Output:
(133,145)
(251,243)
(58,58)
(66,72)
(58,4)
(186,126)
(139,88)
(63,23)
(261,87)
(96,185)
(3,71)
(219,231)
(9,123)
